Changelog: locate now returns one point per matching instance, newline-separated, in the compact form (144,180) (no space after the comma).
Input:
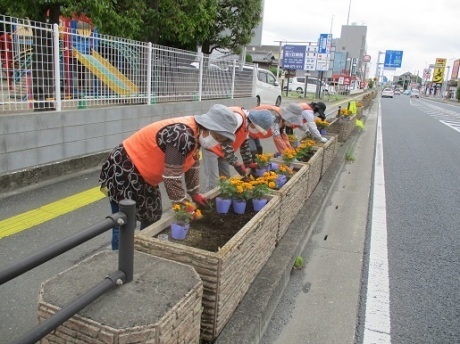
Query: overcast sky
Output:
(424,30)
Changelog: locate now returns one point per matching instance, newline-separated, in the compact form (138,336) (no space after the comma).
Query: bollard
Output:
(126,249)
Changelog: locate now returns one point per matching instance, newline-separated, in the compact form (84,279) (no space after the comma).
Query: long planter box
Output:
(316,166)
(293,194)
(343,127)
(226,274)
(329,151)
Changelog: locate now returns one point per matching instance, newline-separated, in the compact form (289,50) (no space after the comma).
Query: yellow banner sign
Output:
(438,74)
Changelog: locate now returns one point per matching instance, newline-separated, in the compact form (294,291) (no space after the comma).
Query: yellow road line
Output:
(48,212)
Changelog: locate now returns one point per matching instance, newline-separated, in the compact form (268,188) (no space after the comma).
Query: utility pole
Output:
(348,17)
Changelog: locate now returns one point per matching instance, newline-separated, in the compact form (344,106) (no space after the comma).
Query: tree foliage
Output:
(175,23)
(235,21)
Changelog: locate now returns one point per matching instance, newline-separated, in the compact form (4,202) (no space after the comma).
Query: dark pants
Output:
(116,230)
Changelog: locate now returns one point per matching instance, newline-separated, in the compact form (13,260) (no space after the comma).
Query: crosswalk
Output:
(448,117)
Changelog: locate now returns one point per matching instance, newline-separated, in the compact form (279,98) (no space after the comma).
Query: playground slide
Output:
(107,73)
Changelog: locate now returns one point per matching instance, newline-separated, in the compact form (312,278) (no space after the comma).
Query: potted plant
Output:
(288,156)
(304,149)
(263,162)
(345,113)
(242,192)
(284,173)
(184,213)
(260,188)
(224,200)
(322,125)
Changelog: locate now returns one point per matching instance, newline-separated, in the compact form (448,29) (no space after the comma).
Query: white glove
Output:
(323,139)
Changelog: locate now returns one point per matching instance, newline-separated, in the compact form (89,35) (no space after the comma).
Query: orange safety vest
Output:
(240,135)
(149,159)
(274,109)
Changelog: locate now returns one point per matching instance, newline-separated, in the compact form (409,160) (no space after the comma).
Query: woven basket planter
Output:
(316,166)
(292,195)
(343,127)
(330,150)
(226,274)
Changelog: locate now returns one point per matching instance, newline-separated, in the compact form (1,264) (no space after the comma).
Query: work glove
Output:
(323,140)
(200,199)
(253,166)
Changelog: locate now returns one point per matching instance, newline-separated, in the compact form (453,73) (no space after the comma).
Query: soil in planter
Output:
(214,230)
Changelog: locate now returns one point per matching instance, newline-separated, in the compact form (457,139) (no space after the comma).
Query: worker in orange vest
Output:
(284,117)
(217,161)
(308,112)
(163,151)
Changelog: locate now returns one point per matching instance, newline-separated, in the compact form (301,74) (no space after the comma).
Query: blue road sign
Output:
(393,59)
(324,43)
(293,57)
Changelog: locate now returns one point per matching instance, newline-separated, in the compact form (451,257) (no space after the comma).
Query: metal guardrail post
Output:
(126,249)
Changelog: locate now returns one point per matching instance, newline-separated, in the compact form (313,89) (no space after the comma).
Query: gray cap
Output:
(292,114)
(219,119)
(262,119)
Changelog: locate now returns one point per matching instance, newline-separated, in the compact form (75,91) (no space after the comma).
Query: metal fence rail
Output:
(126,219)
(46,67)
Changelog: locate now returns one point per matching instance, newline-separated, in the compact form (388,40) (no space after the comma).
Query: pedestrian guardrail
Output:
(126,220)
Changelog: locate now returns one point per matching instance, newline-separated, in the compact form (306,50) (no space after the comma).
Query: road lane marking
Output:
(48,212)
(377,324)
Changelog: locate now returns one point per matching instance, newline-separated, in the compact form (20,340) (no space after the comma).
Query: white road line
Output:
(377,324)
(451,126)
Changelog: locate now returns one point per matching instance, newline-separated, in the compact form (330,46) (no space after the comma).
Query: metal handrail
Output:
(126,219)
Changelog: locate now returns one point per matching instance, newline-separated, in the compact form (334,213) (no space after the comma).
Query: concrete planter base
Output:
(161,305)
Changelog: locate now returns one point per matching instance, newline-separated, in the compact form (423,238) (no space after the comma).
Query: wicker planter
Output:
(316,166)
(293,194)
(330,150)
(226,274)
(343,127)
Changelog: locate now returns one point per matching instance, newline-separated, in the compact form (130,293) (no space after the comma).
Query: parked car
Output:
(414,93)
(267,88)
(406,93)
(297,83)
(397,92)
(387,93)
(212,66)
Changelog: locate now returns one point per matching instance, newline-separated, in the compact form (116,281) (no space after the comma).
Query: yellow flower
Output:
(263,160)
(186,212)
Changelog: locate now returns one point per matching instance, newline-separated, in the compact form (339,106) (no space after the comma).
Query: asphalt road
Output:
(326,302)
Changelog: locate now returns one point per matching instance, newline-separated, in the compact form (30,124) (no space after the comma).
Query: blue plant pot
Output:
(179,230)
(239,207)
(258,203)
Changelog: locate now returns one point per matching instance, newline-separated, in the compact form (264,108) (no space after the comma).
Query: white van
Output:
(297,84)
(267,89)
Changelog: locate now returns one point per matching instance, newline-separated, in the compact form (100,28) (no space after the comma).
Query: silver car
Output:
(414,93)
(387,93)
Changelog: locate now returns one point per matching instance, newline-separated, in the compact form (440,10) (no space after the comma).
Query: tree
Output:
(179,23)
(233,28)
